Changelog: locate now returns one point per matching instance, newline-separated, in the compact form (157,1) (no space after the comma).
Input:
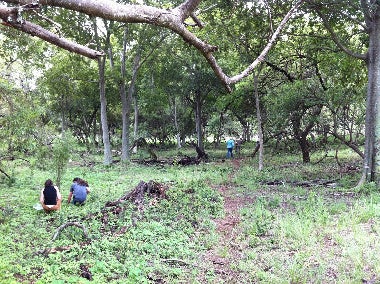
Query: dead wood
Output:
(202,155)
(152,162)
(60,228)
(85,272)
(3,172)
(151,188)
(309,183)
(185,263)
(54,250)
(186,161)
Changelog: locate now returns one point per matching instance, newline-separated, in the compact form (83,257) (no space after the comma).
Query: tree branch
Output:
(351,145)
(187,8)
(131,13)
(11,18)
(335,38)
(265,51)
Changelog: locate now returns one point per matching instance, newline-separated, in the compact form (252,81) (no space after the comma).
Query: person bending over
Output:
(78,191)
(50,197)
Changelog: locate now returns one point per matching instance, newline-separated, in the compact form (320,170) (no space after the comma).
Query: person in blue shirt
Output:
(230,147)
(78,191)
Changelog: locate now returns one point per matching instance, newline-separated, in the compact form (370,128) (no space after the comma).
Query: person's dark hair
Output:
(76,179)
(48,182)
(82,182)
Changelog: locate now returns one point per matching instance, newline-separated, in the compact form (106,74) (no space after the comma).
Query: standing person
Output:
(50,197)
(230,146)
(78,191)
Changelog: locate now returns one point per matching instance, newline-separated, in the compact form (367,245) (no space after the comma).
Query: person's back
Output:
(230,146)
(230,143)
(80,192)
(50,195)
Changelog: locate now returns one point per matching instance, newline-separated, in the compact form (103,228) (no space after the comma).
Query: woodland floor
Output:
(223,258)
(228,231)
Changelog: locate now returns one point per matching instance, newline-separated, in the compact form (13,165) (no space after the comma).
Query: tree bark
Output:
(103,103)
(198,118)
(259,122)
(136,120)
(124,104)
(372,130)
(175,118)
(131,90)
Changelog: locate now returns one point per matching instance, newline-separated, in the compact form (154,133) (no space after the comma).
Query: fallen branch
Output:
(318,182)
(3,172)
(60,228)
(180,261)
(53,250)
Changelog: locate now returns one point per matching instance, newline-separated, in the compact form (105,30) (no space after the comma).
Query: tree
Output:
(173,19)
(364,20)
(70,87)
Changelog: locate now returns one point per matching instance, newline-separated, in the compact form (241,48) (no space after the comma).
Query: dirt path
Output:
(226,255)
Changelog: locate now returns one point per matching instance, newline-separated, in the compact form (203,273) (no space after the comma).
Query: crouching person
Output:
(78,192)
(50,197)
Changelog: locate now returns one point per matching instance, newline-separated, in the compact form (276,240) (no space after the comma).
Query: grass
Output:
(285,233)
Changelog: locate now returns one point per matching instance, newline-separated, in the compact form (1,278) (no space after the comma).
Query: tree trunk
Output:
(136,121)
(178,134)
(259,122)
(305,148)
(131,90)
(103,113)
(220,129)
(372,129)
(124,104)
(198,118)
(301,138)
(103,103)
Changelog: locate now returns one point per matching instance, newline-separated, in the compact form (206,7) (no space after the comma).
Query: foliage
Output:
(301,233)
(289,231)
(55,155)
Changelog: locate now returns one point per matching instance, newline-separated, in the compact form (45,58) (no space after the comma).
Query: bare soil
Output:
(223,258)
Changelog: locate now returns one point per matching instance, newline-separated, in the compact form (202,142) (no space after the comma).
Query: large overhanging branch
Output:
(130,13)
(265,51)
(10,17)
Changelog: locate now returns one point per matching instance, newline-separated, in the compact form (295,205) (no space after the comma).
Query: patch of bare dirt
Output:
(225,256)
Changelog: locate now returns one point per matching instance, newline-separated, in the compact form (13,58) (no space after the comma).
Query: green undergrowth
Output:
(178,227)
(287,233)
